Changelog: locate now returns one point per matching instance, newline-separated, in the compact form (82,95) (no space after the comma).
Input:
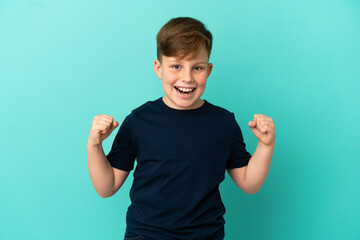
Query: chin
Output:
(191,104)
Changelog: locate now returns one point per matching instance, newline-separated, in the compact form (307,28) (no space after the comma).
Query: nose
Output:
(186,76)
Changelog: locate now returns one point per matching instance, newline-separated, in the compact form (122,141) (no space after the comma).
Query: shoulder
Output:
(215,109)
(147,107)
(221,115)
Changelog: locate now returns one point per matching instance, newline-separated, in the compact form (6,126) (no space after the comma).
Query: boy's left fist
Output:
(263,128)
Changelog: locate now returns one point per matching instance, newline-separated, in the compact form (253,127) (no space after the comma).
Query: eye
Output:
(198,68)
(176,66)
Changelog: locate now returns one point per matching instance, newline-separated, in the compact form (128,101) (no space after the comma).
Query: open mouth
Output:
(184,90)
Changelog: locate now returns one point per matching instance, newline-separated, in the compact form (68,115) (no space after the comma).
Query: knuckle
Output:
(98,117)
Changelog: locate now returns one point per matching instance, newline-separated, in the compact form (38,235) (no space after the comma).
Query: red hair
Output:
(182,37)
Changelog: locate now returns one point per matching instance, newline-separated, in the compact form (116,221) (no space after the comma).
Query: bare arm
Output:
(106,179)
(251,178)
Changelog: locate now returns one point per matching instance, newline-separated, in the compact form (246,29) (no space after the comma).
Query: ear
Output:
(210,67)
(157,68)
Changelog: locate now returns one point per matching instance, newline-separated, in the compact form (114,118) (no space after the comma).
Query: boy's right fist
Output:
(102,126)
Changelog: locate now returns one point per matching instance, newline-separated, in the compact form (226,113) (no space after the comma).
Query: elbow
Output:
(105,194)
(248,190)
(251,191)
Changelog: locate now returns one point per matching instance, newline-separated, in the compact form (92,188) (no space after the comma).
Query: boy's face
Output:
(184,80)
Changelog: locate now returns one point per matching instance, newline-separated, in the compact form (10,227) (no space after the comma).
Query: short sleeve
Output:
(123,152)
(239,156)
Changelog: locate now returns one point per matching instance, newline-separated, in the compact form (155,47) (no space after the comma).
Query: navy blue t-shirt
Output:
(181,158)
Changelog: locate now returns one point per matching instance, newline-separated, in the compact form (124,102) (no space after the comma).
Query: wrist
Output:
(263,145)
(93,145)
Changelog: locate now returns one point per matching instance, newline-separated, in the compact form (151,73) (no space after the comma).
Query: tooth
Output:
(186,89)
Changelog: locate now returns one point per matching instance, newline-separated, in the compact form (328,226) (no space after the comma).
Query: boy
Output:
(182,145)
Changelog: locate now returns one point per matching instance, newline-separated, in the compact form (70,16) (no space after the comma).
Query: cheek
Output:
(168,81)
(168,77)
(202,79)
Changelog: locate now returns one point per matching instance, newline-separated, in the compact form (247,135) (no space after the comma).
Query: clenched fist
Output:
(263,128)
(101,128)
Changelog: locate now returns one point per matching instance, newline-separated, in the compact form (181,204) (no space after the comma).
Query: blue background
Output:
(63,62)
